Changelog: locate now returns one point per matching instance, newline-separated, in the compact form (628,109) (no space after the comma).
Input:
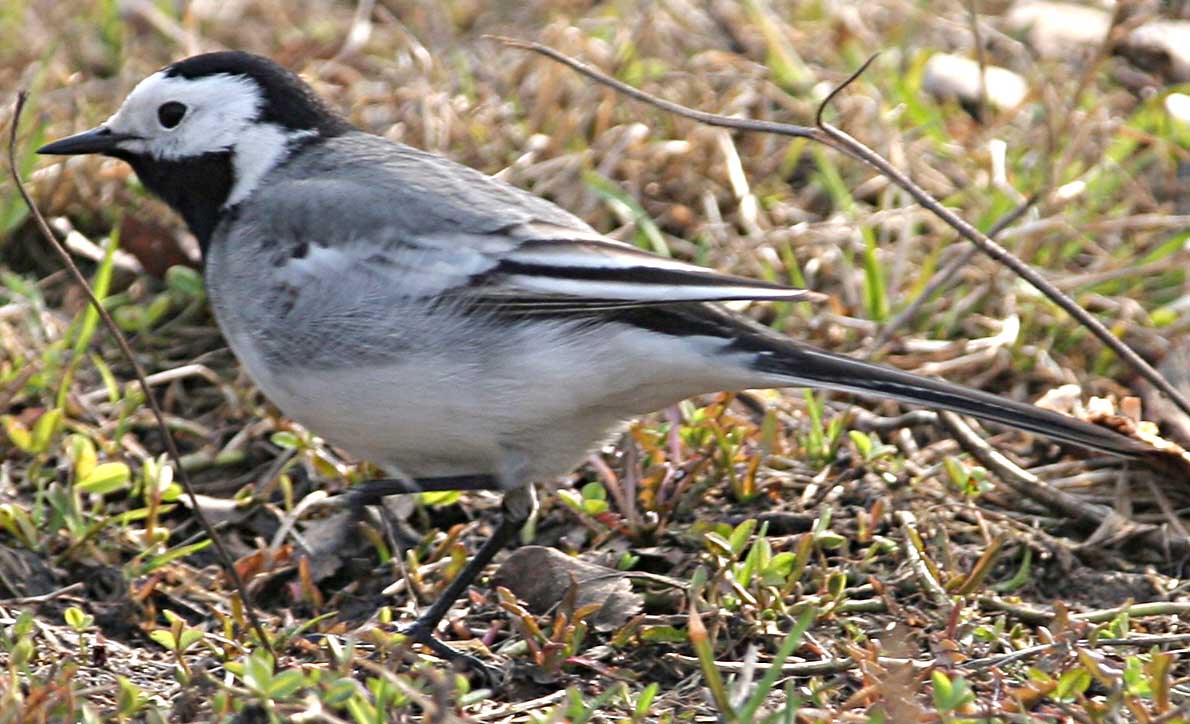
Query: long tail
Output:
(798,365)
(778,361)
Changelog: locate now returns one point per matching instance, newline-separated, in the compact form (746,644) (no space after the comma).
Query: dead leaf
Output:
(541,577)
(154,245)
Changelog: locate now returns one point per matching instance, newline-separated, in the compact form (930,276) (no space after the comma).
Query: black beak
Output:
(100,139)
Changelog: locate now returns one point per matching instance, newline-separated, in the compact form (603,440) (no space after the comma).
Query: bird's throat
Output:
(196,187)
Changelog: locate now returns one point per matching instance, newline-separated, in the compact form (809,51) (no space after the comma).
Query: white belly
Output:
(548,396)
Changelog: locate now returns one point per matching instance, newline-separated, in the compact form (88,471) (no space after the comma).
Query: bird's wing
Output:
(433,228)
(576,271)
(554,276)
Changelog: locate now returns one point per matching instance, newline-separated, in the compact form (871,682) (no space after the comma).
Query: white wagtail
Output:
(461,332)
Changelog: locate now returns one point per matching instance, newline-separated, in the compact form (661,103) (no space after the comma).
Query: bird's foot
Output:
(423,633)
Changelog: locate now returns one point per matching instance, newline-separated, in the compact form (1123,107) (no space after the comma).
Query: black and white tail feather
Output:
(806,366)
(779,361)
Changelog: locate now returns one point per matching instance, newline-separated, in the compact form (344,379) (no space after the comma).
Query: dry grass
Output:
(938,591)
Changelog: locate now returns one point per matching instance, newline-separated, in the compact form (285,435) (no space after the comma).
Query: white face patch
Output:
(219,108)
(221,115)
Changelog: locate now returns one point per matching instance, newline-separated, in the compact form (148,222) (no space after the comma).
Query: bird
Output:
(457,331)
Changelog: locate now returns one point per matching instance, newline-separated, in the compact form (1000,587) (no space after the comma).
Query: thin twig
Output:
(1030,486)
(1178,609)
(830,97)
(1036,615)
(789,668)
(988,662)
(981,57)
(858,150)
(532,705)
(947,274)
(181,476)
(930,585)
(1001,659)
(1146,640)
(1090,67)
(710,119)
(839,140)
(59,593)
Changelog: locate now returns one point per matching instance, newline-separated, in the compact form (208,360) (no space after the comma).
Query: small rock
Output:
(1161,47)
(955,76)
(1058,30)
(1177,105)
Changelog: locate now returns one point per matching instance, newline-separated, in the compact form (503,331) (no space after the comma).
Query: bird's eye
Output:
(170,114)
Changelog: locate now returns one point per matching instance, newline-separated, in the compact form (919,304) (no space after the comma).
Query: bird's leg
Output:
(370,492)
(518,506)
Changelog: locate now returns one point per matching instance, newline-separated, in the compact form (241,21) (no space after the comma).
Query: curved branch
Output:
(225,559)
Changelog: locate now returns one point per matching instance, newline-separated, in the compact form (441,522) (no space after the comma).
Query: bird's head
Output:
(202,132)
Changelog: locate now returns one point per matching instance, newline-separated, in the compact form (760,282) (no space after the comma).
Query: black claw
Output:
(424,635)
